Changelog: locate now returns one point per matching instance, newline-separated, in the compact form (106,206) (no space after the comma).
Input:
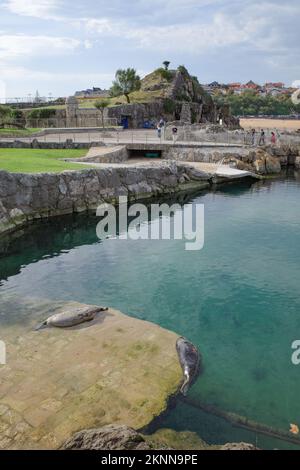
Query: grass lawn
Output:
(39,160)
(18,132)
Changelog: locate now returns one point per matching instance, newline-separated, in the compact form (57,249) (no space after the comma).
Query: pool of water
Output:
(237,299)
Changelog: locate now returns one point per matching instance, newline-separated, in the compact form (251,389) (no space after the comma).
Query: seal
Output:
(71,318)
(189,358)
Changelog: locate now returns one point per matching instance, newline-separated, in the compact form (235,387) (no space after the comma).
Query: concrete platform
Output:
(115,369)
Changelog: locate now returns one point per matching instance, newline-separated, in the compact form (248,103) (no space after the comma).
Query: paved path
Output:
(123,137)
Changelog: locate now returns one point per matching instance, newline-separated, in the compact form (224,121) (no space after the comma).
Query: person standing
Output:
(158,131)
(174,134)
(253,135)
(262,138)
(273,138)
(160,128)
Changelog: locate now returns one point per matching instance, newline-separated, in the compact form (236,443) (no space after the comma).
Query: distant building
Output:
(237,88)
(214,85)
(251,85)
(279,85)
(92,93)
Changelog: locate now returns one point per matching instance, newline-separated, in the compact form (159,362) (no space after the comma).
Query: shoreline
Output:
(26,197)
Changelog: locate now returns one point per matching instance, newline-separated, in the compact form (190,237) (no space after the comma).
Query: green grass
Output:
(140,96)
(14,132)
(39,161)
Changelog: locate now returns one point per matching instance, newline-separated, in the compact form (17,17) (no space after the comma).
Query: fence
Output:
(115,135)
(58,123)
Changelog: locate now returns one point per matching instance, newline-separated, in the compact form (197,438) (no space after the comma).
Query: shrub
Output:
(165,74)
(169,106)
(182,69)
(43,113)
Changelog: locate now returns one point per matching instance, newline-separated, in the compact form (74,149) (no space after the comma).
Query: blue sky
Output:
(59,46)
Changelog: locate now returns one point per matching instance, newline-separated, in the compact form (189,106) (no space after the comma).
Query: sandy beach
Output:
(258,123)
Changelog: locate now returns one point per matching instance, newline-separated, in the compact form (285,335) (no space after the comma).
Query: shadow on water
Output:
(48,238)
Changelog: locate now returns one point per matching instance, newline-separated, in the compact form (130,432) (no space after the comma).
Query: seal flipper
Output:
(41,326)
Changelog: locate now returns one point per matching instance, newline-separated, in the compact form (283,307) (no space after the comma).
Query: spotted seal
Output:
(72,317)
(189,358)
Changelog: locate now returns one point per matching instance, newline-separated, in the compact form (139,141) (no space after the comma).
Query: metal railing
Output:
(115,135)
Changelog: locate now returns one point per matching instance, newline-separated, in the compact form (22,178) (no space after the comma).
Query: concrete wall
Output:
(101,155)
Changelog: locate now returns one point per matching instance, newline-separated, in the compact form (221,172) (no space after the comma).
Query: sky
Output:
(60,46)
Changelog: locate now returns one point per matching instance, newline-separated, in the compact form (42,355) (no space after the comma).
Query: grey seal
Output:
(72,317)
(189,358)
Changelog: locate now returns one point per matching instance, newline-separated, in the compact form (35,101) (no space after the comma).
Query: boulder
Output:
(297,163)
(273,165)
(111,437)
(260,166)
(238,446)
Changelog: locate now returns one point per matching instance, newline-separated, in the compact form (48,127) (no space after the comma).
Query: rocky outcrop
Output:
(111,437)
(174,95)
(238,446)
(120,437)
(265,164)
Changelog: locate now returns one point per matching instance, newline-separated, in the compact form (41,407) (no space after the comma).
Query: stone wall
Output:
(137,114)
(207,154)
(36,144)
(25,197)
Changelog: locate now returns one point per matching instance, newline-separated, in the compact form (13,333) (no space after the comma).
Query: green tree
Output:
(251,103)
(101,105)
(126,81)
(166,64)
(5,113)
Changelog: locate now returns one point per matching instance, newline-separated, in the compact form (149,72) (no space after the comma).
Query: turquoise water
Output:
(237,299)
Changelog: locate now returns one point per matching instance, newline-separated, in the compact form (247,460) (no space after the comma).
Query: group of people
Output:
(256,139)
(161,129)
(262,137)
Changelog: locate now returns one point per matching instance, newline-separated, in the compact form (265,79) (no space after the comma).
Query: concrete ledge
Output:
(103,154)
(60,381)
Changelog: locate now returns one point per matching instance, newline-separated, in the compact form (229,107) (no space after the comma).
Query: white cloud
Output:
(44,80)
(257,25)
(34,8)
(189,38)
(21,45)
(10,71)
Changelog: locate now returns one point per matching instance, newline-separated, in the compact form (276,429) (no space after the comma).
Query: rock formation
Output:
(111,437)
(120,437)
(175,95)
